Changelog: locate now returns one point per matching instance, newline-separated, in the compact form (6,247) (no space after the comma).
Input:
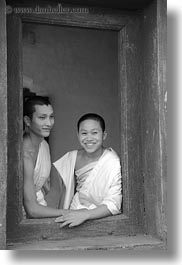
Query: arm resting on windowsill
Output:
(77,217)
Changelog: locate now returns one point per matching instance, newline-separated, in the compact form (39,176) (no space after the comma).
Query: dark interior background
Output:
(78,70)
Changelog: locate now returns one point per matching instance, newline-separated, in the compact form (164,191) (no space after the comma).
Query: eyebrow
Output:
(95,129)
(45,114)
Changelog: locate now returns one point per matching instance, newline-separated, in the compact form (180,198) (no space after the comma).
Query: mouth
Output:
(89,144)
(46,130)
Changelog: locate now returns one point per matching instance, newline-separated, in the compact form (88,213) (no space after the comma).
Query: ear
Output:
(104,135)
(26,120)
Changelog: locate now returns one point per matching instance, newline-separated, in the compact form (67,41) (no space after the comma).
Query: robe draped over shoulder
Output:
(97,183)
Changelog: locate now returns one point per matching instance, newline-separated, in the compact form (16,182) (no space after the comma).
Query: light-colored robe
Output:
(42,171)
(100,182)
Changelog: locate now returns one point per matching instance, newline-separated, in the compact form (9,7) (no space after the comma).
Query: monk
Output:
(38,120)
(91,175)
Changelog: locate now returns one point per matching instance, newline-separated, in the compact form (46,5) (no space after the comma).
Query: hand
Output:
(72,218)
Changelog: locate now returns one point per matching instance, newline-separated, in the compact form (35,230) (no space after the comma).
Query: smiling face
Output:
(91,136)
(42,121)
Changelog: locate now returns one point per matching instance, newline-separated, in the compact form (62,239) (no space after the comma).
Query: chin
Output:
(46,134)
(90,151)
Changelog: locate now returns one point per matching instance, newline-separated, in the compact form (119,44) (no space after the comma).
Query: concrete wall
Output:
(78,69)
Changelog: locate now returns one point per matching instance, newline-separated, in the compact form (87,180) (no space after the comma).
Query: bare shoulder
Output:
(28,151)
(26,143)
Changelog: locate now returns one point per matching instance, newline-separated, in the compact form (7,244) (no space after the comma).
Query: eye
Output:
(42,117)
(95,132)
(83,133)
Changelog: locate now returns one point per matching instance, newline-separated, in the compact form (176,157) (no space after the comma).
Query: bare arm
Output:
(55,197)
(77,217)
(33,209)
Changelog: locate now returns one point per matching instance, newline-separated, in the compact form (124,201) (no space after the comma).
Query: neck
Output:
(35,140)
(95,155)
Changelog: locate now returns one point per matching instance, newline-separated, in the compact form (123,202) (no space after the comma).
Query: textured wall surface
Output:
(3,125)
(153,109)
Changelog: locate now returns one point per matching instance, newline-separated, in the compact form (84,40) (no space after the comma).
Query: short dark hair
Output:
(29,104)
(92,116)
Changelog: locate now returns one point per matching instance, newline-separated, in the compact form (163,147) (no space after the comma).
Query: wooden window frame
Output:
(3,125)
(131,221)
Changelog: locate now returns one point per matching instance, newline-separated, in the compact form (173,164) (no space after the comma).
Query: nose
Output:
(49,122)
(89,137)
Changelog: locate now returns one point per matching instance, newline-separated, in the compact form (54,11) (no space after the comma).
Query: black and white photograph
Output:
(83,129)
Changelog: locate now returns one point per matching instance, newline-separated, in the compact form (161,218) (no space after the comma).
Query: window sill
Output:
(137,242)
(52,220)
